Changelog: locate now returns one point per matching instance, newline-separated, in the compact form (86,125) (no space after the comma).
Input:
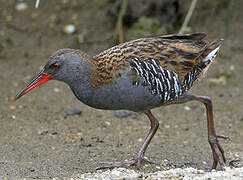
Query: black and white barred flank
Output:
(190,77)
(161,82)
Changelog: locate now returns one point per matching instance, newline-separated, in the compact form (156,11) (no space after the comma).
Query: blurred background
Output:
(39,139)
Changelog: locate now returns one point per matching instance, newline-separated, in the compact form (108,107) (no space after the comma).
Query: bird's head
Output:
(63,65)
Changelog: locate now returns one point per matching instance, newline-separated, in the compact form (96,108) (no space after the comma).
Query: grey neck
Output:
(80,83)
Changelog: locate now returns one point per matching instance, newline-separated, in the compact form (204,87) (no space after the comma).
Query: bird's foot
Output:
(134,162)
(218,152)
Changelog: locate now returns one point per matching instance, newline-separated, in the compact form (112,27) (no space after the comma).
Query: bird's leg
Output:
(154,126)
(217,150)
(140,157)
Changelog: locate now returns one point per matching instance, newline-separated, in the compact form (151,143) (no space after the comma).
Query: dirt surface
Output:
(38,141)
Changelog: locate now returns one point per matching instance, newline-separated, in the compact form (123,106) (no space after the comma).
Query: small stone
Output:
(79,134)
(232,67)
(72,112)
(167,126)
(21,6)
(42,132)
(187,108)
(166,160)
(107,123)
(115,172)
(237,155)
(12,107)
(69,29)
(123,114)
(56,90)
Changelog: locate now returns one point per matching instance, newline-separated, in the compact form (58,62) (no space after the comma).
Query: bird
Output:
(138,75)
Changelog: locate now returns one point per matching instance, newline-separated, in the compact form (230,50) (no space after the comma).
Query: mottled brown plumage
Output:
(178,53)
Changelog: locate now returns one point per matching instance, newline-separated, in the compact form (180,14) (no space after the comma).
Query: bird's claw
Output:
(218,152)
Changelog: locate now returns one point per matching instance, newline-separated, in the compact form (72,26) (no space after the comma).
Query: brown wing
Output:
(177,53)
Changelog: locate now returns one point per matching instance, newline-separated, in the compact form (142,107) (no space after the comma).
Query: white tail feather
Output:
(211,55)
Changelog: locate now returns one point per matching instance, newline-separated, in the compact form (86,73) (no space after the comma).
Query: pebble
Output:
(116,172)
(107,123)
(123,114)
(232,67)
(185,142)
(69,29)
(187,108)
(21,6)
(72,112)
(12,107)
(56,90)
(42,132)
(167,126)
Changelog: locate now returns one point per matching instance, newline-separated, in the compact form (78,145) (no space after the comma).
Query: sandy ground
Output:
(38,141)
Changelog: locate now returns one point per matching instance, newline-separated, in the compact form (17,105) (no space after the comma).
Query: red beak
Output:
(38,80)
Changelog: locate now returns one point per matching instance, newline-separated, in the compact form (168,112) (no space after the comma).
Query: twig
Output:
(188,16)
(37,3)
(119,28)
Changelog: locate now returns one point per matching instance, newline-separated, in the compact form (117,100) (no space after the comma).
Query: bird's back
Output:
(178,53)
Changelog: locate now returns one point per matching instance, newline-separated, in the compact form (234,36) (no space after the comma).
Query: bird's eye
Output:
(55,65)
